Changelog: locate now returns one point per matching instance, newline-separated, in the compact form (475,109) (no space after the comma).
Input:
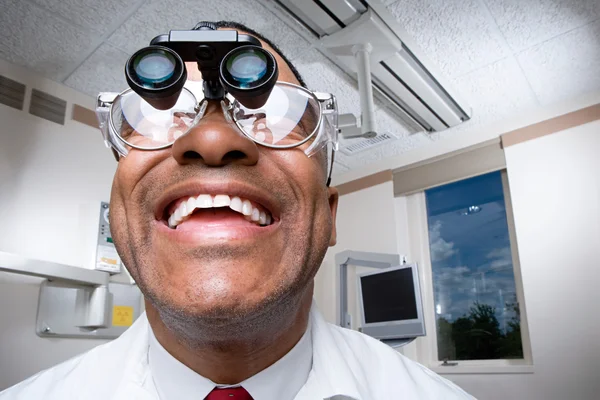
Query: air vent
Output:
(47,106)
(367,144)
(12,93)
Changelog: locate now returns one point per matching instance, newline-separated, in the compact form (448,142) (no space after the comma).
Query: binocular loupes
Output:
(230,62)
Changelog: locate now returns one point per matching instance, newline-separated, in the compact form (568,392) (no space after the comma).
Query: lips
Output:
(186,207)
(202,201)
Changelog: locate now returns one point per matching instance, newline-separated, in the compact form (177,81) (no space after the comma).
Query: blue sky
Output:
(471,256)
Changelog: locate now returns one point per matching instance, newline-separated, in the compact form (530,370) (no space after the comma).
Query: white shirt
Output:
(282,380)
(347,365)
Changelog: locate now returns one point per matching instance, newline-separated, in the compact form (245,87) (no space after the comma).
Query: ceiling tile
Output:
(93,14)
(458,36)
(103,71)
(158,17)
(566,66)
(526,23)
(40,41)
(261,20)
(150,20)
(495,91)
(322,75)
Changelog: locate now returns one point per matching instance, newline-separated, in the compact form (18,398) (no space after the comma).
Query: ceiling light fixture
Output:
(360,36)
(472,210)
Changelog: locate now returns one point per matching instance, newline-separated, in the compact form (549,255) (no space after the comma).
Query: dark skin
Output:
(225,307)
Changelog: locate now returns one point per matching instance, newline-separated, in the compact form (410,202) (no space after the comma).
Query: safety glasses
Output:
(292,117)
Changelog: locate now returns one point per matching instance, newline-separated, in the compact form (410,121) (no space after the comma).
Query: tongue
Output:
(214,217)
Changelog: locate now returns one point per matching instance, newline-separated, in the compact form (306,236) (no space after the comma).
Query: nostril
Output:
(234,155)
(192,155)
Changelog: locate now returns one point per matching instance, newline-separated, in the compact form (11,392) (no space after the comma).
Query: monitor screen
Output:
(389,296)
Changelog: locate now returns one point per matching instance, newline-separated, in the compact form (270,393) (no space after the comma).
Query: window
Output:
(475,296)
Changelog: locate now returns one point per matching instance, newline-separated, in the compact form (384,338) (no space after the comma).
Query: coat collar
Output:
(334,377)
(331,377)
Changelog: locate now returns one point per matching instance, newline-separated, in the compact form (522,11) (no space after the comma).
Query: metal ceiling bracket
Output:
(366,127)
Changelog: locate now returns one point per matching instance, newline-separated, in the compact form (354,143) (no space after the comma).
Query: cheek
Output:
(136,165)
(299,169)
(125,207)
(310,228)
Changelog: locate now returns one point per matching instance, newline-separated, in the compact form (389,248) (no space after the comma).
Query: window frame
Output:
(419,251)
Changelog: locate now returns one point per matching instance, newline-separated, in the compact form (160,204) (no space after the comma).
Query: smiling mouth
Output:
(216,210)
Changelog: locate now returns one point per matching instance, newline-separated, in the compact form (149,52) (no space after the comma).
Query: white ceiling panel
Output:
(503,56)
(40,41)
(151,19)
(158,17)
(564,67)
(102,72)
(525,23)
(322,75)
(496,91)
(99,16)
(457,36)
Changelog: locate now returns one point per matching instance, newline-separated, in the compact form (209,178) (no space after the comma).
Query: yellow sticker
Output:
(122,316)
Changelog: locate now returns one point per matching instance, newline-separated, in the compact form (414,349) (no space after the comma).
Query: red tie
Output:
(238,393)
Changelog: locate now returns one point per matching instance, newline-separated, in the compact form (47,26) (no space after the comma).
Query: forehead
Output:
(285,73)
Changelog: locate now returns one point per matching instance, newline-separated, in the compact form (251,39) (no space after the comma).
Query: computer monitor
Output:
(390,303)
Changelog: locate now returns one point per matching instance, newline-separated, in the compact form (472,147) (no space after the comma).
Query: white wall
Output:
(49,173)
(364,223)
(555,187)
(22,352)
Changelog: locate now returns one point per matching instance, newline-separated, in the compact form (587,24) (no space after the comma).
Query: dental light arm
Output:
(366,126)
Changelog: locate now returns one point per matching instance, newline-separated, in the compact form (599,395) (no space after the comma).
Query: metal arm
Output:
(361,259)
(349,124)
(92,308)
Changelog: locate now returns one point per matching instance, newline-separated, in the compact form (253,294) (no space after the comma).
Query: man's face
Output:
(216,264)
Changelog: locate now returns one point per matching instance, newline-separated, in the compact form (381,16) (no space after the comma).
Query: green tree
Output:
(446,349)
(485,334)
(477,336)
(511,346)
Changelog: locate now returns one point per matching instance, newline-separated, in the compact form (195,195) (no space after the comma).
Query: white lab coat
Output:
(347,365)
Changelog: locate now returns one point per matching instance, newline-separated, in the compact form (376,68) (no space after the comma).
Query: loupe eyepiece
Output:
(249,74)
(157,74)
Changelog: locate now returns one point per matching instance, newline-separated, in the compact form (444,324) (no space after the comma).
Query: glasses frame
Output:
(327,111)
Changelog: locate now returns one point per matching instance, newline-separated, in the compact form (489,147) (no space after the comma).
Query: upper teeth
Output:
(243,206)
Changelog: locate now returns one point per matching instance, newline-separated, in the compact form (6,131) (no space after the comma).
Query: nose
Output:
(215,142)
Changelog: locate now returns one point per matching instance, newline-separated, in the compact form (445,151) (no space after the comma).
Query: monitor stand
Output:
(396,343)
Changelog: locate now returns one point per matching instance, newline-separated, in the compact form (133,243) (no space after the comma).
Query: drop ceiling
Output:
(504,57)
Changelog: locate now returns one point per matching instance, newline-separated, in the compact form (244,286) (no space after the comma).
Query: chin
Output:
(217,300)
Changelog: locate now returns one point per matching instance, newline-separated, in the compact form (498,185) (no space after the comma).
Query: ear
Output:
(333,205)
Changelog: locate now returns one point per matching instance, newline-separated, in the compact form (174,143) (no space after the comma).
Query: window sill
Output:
(482,369)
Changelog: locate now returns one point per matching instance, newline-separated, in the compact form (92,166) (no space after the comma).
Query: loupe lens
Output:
(154,68)
(157,74)
(247,67)
(249,73)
